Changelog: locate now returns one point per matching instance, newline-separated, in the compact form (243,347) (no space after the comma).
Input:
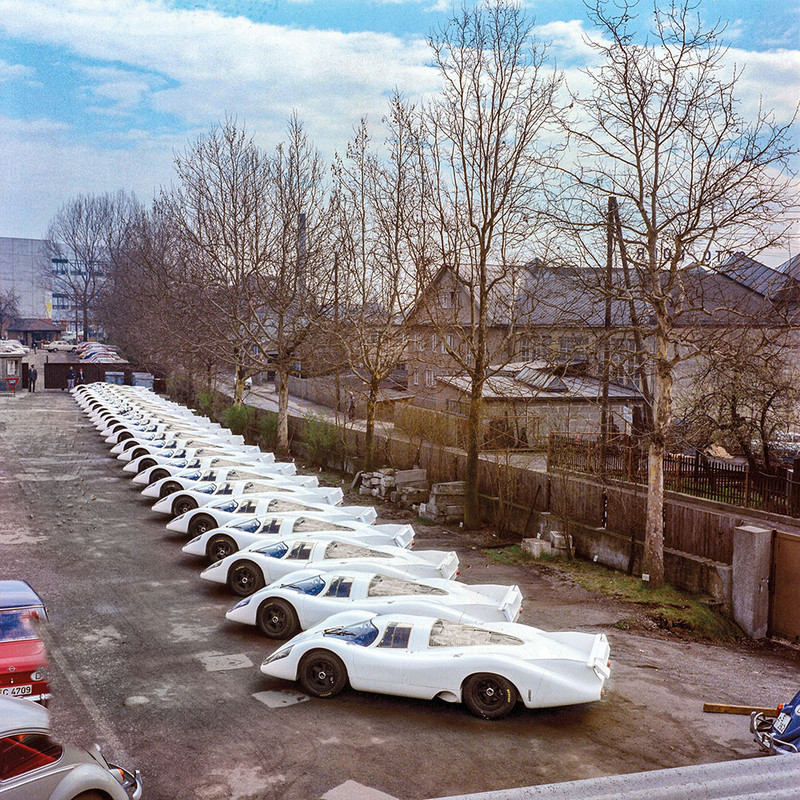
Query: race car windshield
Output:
(229,506)
(18,624)
(312,586)
(249,525)
(276,550)
(361,633)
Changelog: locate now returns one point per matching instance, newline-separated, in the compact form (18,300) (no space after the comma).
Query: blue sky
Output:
(97,95)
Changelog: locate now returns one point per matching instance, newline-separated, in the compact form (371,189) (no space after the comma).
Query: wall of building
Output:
(25,268)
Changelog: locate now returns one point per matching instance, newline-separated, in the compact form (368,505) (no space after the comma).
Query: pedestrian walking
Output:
(32,376)
(80,380)
(351,407)
(70,378)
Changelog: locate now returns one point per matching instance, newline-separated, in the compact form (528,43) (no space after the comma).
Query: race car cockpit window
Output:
(301,551)
(274,550)
(349,550)
(340,587)
(306,525)
(360,633)
(387,586)
(395,636)
(312,586)
(455,634)
(248,525)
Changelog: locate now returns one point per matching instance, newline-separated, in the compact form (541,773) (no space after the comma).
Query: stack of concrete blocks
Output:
(445,504)
(550,539)
(407,487)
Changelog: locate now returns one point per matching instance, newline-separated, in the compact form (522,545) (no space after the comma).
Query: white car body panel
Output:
(170,442)
(227,510)
(252,468)
(276,526)
(343,591)
(185,455)
(389,560)
(548,669)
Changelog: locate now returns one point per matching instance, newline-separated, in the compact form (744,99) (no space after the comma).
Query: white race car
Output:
(251,569)
(186,499)
(197,478)
(221,512)
(222,468)
(488,667)
(219,543)
(187,455)
(134,449)
(305,598)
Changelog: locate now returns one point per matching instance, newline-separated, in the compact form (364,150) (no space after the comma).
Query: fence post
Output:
(747,485)
(549,452)
(794,489)
(629,459)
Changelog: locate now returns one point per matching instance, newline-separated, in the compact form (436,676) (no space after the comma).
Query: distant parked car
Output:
(23,659)
(34,767)
(60,344)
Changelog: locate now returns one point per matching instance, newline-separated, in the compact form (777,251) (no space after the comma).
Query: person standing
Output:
(70,379)
(32,376)
(351,407)
(80,379)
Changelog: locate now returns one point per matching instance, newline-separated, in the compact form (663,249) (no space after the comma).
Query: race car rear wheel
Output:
(219,547)
(245,578)
(146,463)
(202,523)
(158,474)
(277,619)
(321,673)
(138,453)
(182,505)
(489,696)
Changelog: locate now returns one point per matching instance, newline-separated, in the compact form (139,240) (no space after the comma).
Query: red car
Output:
(23,660)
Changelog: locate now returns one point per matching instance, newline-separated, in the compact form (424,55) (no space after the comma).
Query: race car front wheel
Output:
(322,674)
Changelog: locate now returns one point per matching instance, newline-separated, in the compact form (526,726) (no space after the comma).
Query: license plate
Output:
(782,723)
(16,691)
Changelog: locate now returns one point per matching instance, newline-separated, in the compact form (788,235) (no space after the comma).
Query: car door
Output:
(383,666)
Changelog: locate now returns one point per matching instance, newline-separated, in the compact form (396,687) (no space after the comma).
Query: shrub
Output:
(321,440)
(236,418)
(268,429)
(204,401)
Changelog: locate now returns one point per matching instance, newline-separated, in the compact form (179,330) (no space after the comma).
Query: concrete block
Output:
(752,553)
(536,547)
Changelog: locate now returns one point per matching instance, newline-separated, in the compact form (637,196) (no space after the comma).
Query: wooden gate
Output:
(784,618)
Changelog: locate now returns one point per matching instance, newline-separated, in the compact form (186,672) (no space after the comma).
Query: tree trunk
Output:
(282,447)
(369,437)
(653,558)
(238,385)
(472,515)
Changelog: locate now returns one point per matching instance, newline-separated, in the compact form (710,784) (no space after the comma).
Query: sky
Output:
(99,95)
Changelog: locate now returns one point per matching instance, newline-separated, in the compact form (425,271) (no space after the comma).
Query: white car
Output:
(488,667)
(135,449)
(198,478)
(218,464)
(178,456)
(254,567)
(219,543)
(224,511)
(305,598)
(60,344)
(185,500)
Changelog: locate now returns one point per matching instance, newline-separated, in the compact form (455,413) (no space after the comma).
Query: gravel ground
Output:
(145,663)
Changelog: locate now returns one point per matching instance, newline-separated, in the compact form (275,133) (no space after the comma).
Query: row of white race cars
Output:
(358,605)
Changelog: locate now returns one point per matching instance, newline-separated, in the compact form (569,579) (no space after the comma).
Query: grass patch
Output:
(683,614)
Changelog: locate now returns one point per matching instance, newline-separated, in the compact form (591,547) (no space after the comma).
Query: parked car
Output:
(60,345)
(778,733)
(232,509)
(306,598)
(35,767)
(220,542)
(255,566)
(23,658)
(488,667)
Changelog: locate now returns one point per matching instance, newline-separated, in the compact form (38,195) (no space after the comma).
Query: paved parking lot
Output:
(145,663)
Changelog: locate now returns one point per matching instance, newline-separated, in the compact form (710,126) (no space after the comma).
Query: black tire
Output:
(139,452)
(219,547)
(157,474)
(202,523)
(146,463)
(182,504)
(124,436)
(277,619)
(489,696)
(128,443)
(89,796)
(168,488)
(244,578)
(321,673)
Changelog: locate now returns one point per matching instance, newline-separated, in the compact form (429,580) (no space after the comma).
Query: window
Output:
(271,526)
(387,586)
(416,379)
(247,507)
(455,634)
(340,587)
(301,551)
(360,633)
(430,377)
(311,586)
(248,526)
(305,525)
(274,550)
(25,752)
(449,341)
(395,636)
(17,624)
(348,550)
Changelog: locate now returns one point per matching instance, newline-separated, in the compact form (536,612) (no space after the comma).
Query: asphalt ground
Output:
(145,663)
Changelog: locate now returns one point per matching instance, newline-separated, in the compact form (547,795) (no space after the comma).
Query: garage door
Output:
(784,619)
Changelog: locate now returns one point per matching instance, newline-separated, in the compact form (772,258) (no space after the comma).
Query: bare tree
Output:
(220,209)
(375,201)
(9,309)
(484,138)
(660,129)
(80,241)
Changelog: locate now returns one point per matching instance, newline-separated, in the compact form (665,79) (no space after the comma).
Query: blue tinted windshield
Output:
(249,525)
(228,505)
(312,586)
(276,550)
(361,633)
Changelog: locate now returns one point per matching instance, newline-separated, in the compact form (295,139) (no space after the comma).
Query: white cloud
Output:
(15,72)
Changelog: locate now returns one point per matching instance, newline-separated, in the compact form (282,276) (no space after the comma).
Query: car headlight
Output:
(242,603)
(278,655)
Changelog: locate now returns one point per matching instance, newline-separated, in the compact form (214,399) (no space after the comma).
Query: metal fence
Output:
(695,474)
